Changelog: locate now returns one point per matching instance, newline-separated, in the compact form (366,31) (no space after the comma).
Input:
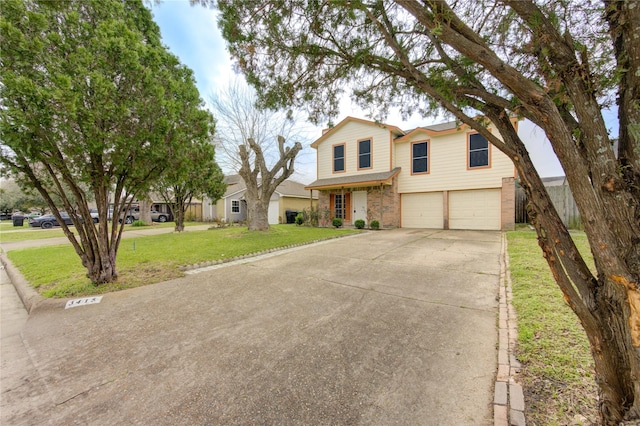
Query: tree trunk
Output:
(179,208)
(101,270)
(145,211)
(179,218)
(258,215)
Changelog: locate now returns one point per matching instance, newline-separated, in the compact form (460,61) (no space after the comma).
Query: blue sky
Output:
(191,33)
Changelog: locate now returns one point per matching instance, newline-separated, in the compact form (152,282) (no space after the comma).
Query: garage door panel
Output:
(478,209)
(423,210)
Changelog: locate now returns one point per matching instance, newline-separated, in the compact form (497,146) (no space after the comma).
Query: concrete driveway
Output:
(389,327)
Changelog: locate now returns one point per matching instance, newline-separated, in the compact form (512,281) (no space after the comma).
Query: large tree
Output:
(556,63)
(91,105)
(193,173)
(251,140)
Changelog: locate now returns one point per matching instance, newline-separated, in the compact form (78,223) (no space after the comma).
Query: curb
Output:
(29,296)
(508,399)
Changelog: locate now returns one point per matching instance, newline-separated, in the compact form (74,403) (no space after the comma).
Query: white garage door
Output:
(478,209)
(422,210)
(273,212)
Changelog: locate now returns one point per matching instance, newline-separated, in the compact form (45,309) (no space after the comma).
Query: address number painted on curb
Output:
(84,301)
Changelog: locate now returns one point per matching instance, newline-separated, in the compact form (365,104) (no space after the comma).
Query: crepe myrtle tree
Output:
(194,173)
(251,141)
(91,105)
(556,63)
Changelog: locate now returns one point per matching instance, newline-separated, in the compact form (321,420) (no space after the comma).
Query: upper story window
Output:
(478,151)
(364,154)
(235,206)
(338,158)
(420,157)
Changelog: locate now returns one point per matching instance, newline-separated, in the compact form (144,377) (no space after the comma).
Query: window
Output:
(364,154)
(235,206)
(420,157)
(338,158)
(339,206)
(478,151)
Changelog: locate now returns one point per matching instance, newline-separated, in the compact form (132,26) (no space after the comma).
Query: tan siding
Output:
(350,133)
(291,203)
(220,213)
(448,163)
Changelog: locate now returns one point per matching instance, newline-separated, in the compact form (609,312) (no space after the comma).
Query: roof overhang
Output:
(354,181)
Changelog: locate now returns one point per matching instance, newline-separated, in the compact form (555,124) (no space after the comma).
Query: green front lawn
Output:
(557,374)
(57,272)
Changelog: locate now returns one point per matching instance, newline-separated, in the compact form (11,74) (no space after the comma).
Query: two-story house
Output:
(445,176)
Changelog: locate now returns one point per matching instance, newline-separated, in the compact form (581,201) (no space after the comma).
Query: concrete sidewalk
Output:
(132,233)
(387,327)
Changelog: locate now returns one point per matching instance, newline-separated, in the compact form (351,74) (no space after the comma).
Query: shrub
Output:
(139,223)
(299,219)
(310,217)
(336,222)
(359,224)
(374,224)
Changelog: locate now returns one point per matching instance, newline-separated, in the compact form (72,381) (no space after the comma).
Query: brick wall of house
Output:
(323,208)
(508,208)
(390,215)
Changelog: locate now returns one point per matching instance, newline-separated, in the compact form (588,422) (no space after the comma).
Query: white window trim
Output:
(232,206)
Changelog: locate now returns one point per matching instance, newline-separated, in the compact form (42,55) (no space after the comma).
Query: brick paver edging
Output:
(508,398)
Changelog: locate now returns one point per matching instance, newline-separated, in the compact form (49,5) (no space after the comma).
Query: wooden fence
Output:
(563,201)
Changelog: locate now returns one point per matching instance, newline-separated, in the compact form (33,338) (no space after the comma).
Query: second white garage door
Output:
(478,209)
(423,210)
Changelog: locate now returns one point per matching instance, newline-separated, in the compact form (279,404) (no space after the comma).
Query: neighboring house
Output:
(445,176)
(289,196)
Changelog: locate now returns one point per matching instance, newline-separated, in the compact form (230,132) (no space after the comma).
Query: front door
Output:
(359,205)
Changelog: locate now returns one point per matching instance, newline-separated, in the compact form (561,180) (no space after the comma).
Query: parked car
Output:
(134,214)
(48,221)
(94,215)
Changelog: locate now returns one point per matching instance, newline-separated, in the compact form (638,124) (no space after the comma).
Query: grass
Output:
(57,271)
(557,374)
(9,233)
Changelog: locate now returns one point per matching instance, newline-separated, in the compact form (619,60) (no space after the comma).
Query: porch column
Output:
(381,206)
(445,208)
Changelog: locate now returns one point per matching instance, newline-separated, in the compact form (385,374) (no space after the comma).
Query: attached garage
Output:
(422,210)
(477,209)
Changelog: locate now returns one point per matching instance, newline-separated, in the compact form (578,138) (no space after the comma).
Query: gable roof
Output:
(328,132)
(291,188)
(288,188)
(433,130)
(369,179)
